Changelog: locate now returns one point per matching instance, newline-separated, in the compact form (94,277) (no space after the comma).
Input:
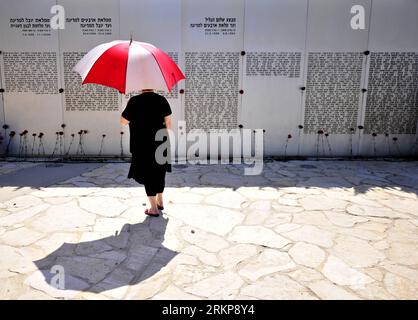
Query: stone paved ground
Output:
(302,230)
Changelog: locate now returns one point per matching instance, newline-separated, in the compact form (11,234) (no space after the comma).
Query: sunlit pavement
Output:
(301,230)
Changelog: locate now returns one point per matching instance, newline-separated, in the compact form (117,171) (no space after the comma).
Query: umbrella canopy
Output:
(129,66)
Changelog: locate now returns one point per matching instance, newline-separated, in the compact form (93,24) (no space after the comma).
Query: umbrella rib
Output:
(126,66)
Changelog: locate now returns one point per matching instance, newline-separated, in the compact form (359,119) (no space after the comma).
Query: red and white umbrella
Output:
(129,66)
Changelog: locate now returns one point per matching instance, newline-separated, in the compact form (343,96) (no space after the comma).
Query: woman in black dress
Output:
(147,113)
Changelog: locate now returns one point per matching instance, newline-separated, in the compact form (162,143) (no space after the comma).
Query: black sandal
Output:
(160,207)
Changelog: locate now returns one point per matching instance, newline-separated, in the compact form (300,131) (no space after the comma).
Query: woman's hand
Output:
(167,121)
(123,121)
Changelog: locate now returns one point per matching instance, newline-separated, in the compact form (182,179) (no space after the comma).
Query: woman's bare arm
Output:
(167,121)
(123,121)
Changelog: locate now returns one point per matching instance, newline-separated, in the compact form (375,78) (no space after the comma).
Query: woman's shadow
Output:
(127,258)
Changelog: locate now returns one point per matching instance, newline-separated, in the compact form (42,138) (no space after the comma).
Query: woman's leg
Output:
(153,202)
(160,201)
(160,189)
(151,193)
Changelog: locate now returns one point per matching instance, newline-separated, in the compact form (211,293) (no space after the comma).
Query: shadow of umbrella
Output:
(127,258)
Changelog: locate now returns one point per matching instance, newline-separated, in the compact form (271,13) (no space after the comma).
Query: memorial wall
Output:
(295,68)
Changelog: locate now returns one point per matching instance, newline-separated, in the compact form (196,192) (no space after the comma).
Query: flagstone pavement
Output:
(300,230)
